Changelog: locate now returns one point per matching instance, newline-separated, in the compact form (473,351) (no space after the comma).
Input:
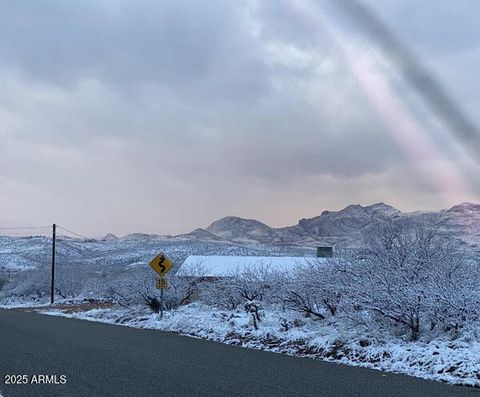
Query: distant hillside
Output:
(346,225)
(242,230)
(226,236)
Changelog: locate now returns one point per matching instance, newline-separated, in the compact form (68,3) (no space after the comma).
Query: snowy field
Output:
(453,361)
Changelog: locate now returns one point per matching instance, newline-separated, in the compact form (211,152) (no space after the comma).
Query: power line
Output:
(25,228)
(24,234)
(75,234)
(43,227)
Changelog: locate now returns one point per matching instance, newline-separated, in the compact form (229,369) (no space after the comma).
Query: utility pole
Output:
(52,288)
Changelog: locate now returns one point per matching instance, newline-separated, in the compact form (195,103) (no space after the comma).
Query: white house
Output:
(223,266)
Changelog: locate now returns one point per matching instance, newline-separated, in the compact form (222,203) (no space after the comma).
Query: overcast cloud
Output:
(164,116)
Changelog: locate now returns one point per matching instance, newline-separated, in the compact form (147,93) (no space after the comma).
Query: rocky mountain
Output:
(110,237)
(465,220)
(241,230)
(200,234)
(346,225)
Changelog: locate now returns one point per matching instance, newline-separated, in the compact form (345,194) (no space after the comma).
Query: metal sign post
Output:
(161,285)
(161,303)
(162,265)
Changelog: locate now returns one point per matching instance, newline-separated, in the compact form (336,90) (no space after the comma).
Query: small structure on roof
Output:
(225,266)
(325,252)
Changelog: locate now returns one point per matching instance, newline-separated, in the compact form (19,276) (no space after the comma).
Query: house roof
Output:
(217,266)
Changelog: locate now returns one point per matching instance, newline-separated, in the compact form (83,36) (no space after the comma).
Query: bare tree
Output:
(395,276)
(312,289)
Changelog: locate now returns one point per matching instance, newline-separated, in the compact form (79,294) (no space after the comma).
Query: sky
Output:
(161,117)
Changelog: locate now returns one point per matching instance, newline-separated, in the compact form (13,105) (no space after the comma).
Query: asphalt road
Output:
(107,360)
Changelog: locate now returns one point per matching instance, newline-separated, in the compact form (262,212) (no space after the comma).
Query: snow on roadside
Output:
(15,303)
(452,361)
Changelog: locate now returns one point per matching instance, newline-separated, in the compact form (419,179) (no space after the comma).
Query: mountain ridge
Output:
(342,226)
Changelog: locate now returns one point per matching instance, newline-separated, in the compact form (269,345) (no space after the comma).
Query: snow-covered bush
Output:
(454,299)
(3,282)
(410,275)
(253,307)
(140,289)
(73,282)
(313,289)
(31,285)
(259,283)
(220,293)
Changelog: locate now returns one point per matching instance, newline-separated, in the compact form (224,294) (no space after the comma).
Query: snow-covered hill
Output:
(229,236)
(346,225)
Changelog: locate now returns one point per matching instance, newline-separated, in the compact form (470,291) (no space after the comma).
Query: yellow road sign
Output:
(161,264)
(162,283)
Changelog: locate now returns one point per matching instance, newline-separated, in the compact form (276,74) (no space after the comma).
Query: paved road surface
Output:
(107,360)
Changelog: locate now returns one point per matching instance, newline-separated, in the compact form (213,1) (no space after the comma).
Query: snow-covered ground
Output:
(453,361)
(15,303)
(26,253)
